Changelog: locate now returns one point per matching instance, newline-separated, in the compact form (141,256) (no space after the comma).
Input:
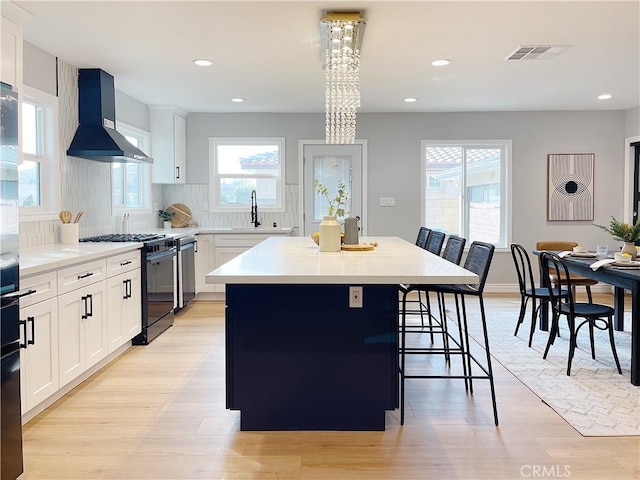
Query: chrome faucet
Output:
(254,209)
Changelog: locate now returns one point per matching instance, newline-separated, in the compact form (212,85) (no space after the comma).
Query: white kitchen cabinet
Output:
(39,340)
(132,311)
(82,324)
(205,262)
(78,276)
(229,246)
(123,299)
(168,144)
(72,324)
(11,66)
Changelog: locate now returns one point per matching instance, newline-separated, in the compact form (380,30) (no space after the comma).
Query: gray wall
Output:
(132,111)
(394,163)
(39,69)
(632,122)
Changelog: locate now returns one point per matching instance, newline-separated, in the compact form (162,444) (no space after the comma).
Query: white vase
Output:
(329,235)
(630,248)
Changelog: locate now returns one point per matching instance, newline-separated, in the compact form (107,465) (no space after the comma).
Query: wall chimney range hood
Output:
(96,137)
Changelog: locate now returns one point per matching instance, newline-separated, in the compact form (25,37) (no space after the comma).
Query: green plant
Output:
(337,203)
(166,215)
(622,231)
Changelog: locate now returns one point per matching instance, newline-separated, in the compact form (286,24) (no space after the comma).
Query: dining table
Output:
(622,278)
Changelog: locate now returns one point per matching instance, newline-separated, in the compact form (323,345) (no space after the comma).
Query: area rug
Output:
(595,399)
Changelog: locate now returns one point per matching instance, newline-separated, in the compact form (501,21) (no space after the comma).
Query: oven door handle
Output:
(158,256)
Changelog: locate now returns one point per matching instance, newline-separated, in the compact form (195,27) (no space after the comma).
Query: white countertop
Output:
(51,257)
(299,260)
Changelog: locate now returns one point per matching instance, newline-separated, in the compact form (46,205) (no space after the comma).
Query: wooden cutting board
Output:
(182,215)
(358,248)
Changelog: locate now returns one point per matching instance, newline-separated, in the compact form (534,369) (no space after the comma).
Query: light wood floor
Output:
(158,412)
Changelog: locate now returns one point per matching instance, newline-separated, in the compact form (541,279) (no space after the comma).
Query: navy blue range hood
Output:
(96,137)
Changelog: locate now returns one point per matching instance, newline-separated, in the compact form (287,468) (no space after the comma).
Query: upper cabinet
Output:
(11,67)
(168,144)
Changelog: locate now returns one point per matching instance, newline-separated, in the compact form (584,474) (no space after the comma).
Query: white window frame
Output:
(505,184)
(50,159)
(144,172)
(214,202)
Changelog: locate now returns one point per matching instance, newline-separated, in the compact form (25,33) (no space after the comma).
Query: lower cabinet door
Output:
(82,330)
(71,336)
(95,325)
(124,308)
(132,312)
(39,360)
(116,293)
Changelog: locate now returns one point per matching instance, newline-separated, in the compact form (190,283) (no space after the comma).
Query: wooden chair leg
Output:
(591,339)
(553,331)
(572,343)
(523,307)
(534,311)
(613,345)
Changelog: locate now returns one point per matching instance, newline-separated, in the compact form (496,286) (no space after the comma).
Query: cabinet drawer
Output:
(80,275)
(123,262)
(240,240)
(45,286)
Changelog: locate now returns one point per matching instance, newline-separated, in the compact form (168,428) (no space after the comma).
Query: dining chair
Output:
(576,280)
(595,315)
(478,261)
(528,289)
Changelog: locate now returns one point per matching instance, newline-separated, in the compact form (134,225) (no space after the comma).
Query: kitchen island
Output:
(312,337)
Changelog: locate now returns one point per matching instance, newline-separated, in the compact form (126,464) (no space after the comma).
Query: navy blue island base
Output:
(298,358)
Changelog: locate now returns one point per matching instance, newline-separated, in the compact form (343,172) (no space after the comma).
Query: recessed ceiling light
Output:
(605,96)
(441,63)
(237,100)
(410,99)
(202,62)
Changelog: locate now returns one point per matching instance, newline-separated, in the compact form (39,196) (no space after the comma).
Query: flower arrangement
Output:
(622,231)
(337,203)
(166,215)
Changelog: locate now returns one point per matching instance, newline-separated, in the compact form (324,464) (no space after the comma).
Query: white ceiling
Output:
(269,52)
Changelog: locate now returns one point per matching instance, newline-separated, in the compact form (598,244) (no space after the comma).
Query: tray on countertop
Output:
(358,248)
(182,215)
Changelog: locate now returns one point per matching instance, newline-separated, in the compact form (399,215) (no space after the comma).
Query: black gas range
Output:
(158,272)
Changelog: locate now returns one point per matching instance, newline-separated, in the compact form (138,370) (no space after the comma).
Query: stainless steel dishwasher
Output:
(186,281)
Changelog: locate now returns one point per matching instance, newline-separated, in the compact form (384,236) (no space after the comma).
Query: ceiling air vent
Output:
(537,52)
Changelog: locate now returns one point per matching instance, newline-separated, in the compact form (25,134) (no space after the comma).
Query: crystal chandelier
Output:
(341,38)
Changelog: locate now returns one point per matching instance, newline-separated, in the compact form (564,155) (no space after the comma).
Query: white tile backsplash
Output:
(196,196)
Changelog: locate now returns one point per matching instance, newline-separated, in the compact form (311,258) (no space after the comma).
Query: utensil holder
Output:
(69,233)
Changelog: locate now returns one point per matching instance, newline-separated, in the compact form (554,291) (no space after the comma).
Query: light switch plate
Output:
(387,201)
